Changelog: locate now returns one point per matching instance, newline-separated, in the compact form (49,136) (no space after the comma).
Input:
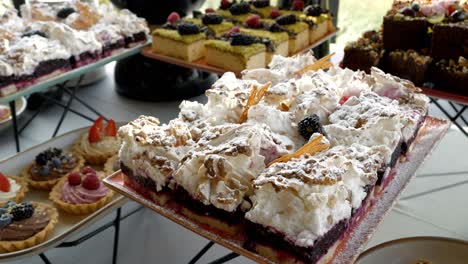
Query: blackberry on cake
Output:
(298,32)
(320,22)
(214,24)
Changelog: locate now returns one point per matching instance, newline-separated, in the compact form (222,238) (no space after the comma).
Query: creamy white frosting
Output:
(14,189)
(305,197)
(76,41)
(10,21)
(107,146)
(106,34)
(220,173)
(127,22)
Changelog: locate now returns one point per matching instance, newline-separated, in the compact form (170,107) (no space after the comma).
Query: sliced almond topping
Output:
(323,63)
(311,148)
(254,98)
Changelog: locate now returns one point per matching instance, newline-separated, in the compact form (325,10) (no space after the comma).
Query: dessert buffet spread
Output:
(51,38)
(242,35)
(291,156)
(433,52)
(57,186)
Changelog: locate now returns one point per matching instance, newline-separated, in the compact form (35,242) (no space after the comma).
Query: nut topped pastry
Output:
(304,205)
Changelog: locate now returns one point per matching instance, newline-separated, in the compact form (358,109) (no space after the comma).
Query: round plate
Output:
(20,108)
(434,250)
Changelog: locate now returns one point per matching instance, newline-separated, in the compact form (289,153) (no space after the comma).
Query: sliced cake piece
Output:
(450,40)
(217,177)
(320,22)
(302,207)
(237,53)
(409,65)
(298,32)
(181,40)
(214,23)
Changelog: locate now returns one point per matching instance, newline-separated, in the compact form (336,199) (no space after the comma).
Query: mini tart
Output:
(95,158)
(21,192)
(10,246)
(109,167)
(77,209)
(48,184)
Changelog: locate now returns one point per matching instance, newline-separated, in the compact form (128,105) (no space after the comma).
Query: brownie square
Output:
(450,40)
(409,65)
(451,76)
(403,32)
(364,53)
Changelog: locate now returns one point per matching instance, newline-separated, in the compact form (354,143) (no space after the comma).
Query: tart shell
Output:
(10,246)
(49,184)
(76,209)
(109,165)
(21,192)
(91,159)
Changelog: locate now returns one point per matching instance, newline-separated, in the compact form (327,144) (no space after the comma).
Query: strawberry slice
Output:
(99,123)
(94,134)
(4,183)
(343,99)
(111,129)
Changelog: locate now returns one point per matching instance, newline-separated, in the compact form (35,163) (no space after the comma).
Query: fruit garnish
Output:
(91,182)
(234,30)
(312,147)
(313,10)
(416,7)
(253,21)
(5,220)
(99,123)
(94,134)
(261,3)
(188,29)
(254,98)
(343,99)
(287,19)
(4,183)
(22,211)
(407,11)
(275,13)
(275,27)
(173,17)
(111,129)
(239,39)
(310,125)
(212,19)
(87,170)
(298,5)
(457,16)
(225,4)
(323,63)
(436,18)
(74,179)
(209,10)
(240,8)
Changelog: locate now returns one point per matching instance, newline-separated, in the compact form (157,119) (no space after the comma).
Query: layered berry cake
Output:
(286,158)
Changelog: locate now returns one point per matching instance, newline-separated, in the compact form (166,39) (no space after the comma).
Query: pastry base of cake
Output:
(281,49)
(233,62)
(188,52)
(320,31)
(8,89)
(298,42)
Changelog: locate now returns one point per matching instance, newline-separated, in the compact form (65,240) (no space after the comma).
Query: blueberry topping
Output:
(275,27)
(22,211)
(3,211)
(416,7)
(9,204)
(407,11)
(212,19)
(242,40)
(32,33)
(310,125)
(56,163)
(44,171)
(286,19)
(65,12)
(313,10)
(261,3)
(187,28)
(5,220)
(41,159)
(240,8)
(457,16)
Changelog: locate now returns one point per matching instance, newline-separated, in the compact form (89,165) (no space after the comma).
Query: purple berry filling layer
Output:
(84,59)
(138,37)
(108,49)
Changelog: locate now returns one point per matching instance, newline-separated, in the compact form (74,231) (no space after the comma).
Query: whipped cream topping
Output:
(25,55)
(127,22)
(10,21)
(305,197)
(220,173)
(10,195)
(107,146)
(152,150)
(76,41)
(106,34)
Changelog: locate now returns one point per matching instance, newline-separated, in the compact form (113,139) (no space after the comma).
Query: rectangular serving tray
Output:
(203,66)
(355,240)
(68,225)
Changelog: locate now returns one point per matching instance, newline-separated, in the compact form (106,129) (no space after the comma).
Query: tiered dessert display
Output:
(64,190)
(423,41)
(240,35)
(284,164)
(50,39)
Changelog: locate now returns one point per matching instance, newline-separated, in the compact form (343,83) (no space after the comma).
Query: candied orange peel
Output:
(312,147)
(254,98)
(323,63)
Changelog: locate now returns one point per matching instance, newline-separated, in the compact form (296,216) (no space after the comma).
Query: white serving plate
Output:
(20,104)
(436,250)
(68,224)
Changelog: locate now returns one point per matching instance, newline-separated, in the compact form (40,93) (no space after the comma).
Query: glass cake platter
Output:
(354,240)
(203,66)
(41,86)
(68,225)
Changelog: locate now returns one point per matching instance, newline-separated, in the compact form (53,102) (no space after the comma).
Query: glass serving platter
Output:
(354,240)
(73,73)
